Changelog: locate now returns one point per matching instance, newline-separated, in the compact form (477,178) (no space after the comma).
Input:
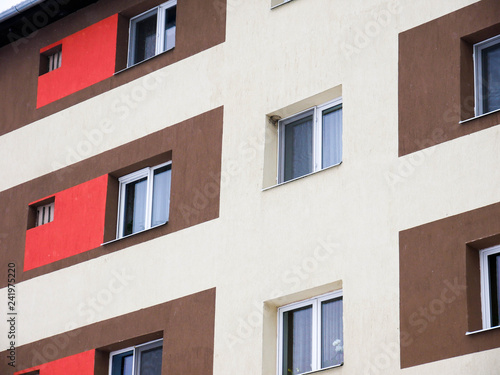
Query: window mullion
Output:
(485,290)
(160,29)
(318,138)
(149,198)
(315,336)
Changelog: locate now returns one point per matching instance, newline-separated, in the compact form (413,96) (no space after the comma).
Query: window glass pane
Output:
(332,136)
(170,15)
(122,363)
(298,148)
(491,78)
(297,341)
(135,206)
(151,361)
(161,195)
(145,38)
(332,340)
(494,266)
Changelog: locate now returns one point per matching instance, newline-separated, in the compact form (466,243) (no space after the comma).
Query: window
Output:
(44,214)
(487,75)
(490,286)
(50,59)
(55,60)
(311,335)
(310,141)
(144,199)
(152,32)
(143,359)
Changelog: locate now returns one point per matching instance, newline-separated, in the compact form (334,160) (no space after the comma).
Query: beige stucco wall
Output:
(336,228)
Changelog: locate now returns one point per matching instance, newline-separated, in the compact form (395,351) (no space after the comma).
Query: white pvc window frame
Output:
(317,141)
(478,73)
(136,356)
(485,284)
(160,30)
(315,303)
(45,214)
(147,172)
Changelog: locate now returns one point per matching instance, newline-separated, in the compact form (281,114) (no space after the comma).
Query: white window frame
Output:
(478,73)
(317,138)
(316,329)
(147,172)
(136,358)
(485,284)
(45,214)
(160,30)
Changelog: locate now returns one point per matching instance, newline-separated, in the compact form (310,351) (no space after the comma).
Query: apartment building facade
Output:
(274,187)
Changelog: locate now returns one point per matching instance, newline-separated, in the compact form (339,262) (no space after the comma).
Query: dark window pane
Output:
(332,333)
(122,363)
(145,38)
(298,148)
(494,266)
(491,78)
(150,362)
(170,15)
(135,207)
(297,341)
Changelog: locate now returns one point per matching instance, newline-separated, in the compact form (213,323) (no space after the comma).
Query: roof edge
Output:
(18,9)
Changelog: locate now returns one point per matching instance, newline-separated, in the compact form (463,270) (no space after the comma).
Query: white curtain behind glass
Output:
(161,196)
(139,213)
(170,15)
(332,333)
(491,76)
(332,136)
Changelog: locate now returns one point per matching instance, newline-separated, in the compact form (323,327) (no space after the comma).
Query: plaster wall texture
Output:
(264,244)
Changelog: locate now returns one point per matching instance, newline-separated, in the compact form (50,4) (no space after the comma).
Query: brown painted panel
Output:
(439,286)
(186,324)
(201,24)
(195,148)
(436,79)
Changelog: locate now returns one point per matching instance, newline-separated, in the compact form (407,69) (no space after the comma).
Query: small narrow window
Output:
(144,199)
(152,32)
(51,60)
(490,286)
(144,359)
(55,61)
(311,335)
(310,141)
(44,214)
(487,75)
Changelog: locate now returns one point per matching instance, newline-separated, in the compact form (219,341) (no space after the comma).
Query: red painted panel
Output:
(78,225)
(88,57)
(81,364)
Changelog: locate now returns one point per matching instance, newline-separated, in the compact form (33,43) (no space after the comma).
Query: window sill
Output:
(133,234)
(280,4)
(298,178)
(143,61)
(481,330)
(323,369)
(479,116)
